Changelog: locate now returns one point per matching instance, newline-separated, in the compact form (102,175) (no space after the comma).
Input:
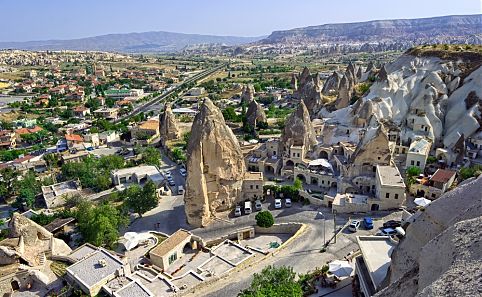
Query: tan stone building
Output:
(171,249)
(253,185)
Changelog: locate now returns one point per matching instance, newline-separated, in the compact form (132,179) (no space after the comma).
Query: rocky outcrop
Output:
(30,231)
(298,130)
(216,167)
(440,254)
(247,95)
(344,93)
(309,90)
(332,84)
(255,114)
(168,129)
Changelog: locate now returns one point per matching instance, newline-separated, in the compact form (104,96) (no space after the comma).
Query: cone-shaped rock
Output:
(215,165)
(298,130)
(255,114)
(168,129)
(248,94)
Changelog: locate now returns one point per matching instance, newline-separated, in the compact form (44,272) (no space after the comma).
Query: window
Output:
(412,162)
(323,182)
(251,187)
(172,258)
(396,196)
(257,187)
(433,195)
(387,195)
(418,163)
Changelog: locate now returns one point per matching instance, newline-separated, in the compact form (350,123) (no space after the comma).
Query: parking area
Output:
(265,243)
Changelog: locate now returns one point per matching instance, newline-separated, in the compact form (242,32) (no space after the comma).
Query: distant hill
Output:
(449,29)
(158,41)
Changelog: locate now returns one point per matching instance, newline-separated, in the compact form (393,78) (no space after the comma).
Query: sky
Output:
(23,20)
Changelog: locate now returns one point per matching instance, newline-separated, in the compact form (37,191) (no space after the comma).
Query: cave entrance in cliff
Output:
(15,285)
(187,248)
(323,155)
(302,178)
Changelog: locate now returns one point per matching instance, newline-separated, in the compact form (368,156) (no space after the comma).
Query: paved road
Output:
(160,98)
(303,254)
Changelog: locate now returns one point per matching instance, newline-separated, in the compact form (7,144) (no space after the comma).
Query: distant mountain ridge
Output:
(158,41)
(449,28)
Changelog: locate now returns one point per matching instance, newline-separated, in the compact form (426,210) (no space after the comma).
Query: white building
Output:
(138,175)
(418,153)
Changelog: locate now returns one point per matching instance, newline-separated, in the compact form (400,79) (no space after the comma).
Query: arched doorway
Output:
(290,163)
(269,169)
(302,178)
(323,155)
(375,207)
(187,248)
(314,180)
(421,193)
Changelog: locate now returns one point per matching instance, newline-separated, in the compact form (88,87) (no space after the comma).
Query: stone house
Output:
(171,249)
(253,185)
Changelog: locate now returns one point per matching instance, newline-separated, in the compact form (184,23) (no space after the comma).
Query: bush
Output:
(264,219)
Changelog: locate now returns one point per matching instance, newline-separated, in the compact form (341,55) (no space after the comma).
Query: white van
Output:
(180,190)
(247,207)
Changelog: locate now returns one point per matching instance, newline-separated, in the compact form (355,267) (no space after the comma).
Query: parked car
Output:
(257,205)
(247,207)
(183,172)
(237,211)
(171,183)
(288,202)
(392,224)
(387,232)
(368,223)
(354,225)
(318,196)
(180,190)
(167,174)
(277,203)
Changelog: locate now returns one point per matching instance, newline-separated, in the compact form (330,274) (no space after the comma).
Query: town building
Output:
(107,113)
(95,270)
(171,249)
(253,185)
(55,195)
(418,153)
(434,186)
(147,130)
(137,175)
(372,265)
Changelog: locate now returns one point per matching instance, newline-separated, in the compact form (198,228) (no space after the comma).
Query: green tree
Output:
(264,219)
(151,156)
(412,172)
(468,172)
(27,188)
(297,184)
(99,225)
(141,200)
(274,282)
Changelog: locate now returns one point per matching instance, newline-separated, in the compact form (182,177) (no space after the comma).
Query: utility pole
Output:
(334,225)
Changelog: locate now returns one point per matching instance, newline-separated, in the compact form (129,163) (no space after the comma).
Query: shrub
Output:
(264,219)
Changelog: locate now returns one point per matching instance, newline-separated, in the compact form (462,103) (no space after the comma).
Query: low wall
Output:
(282,228)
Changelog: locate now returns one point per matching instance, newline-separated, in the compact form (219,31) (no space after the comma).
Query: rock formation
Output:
(255,114)
(441,252)
(332,84)
(309,90)
(216,167)
(30,231)
(298,130)
(247,94)
(168,129)
(344,93)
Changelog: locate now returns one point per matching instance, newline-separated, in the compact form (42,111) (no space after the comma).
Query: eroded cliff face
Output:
(441,252)
(168,129)
(216,167)
(298,130)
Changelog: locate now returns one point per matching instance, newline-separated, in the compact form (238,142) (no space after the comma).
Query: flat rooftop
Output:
(89,271)
(376,252)
(133,289)
(253,176)
(420,146)
(390,176)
